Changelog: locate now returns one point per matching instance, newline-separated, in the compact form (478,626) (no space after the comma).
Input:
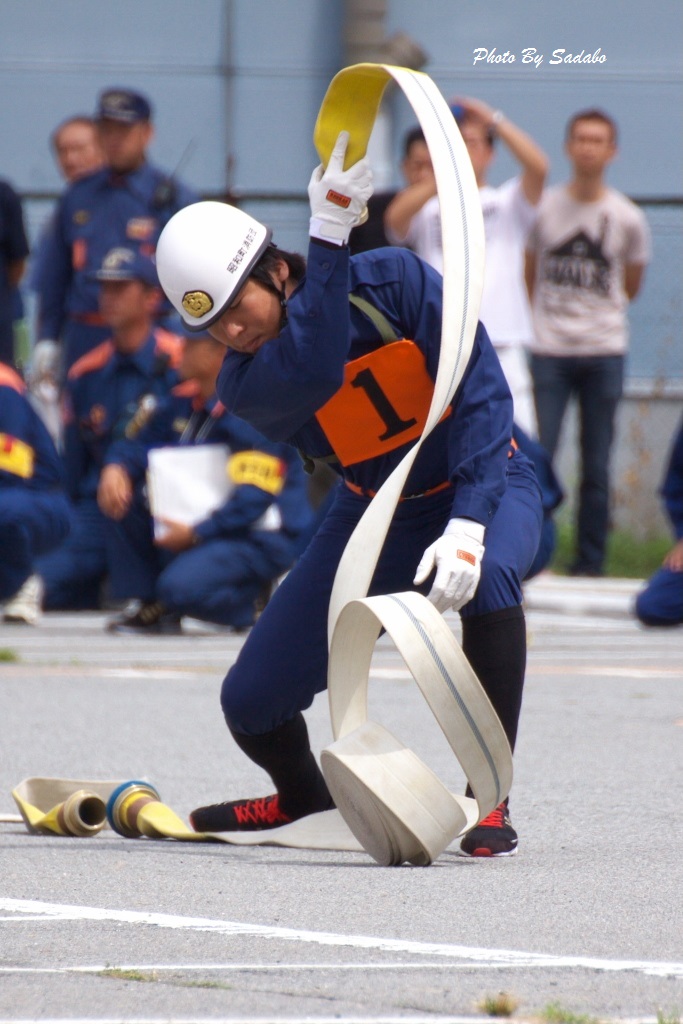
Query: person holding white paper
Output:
(228,507)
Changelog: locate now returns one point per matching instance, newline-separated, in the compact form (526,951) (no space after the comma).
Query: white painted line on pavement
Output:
(302,1020)
(605,670)
(478,955)
(397,965)
(391,673)
(278,1020)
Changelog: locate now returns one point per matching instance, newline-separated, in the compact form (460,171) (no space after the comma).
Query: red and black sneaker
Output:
(494,836)
(240,815)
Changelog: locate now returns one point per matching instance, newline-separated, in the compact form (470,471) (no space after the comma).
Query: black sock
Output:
(285,753)
(495,646)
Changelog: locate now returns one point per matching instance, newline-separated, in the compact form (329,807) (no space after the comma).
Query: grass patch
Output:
(668,1018)
(133,975)
(121,975)
(205,984)
(554,1013)
(7,654)
(627,557)
(501,1005)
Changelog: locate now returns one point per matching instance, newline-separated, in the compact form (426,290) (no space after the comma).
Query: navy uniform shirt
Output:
(28,457)
(96,214)
(107,394)
(262,471)
(13,247)
(282,387)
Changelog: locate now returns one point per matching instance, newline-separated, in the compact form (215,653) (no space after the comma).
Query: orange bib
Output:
(382,404)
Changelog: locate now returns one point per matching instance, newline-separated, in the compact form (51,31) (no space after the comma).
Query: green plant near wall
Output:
(627,557)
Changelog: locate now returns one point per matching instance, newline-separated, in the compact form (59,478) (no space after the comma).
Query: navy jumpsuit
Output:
(661,602)
(94,215)
(34,510)
(466,467)
(104,392)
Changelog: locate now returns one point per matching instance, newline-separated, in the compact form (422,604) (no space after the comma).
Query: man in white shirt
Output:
(586,257)
(413,219)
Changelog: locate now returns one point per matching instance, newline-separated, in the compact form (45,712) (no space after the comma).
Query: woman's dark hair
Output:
(269,261)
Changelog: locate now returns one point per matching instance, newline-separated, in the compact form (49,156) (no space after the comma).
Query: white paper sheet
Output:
(187,484)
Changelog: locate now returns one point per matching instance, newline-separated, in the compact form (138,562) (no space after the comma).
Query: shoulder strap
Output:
(386,331)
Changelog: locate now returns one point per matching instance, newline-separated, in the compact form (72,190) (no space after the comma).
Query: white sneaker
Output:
(26,604)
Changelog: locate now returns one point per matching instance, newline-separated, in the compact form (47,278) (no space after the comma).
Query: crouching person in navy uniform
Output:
(306,347)
(107,395)
(216,569)
(34,510)
(661,602)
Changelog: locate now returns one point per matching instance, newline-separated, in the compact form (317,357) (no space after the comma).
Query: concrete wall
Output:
(243,80)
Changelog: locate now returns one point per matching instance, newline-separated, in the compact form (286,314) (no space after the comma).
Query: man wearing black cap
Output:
(109,393)
(126,203)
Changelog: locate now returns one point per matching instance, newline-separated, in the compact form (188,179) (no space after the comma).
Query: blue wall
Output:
(244,80)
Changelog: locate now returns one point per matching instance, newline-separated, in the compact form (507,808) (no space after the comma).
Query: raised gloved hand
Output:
(339,198)
(457,556)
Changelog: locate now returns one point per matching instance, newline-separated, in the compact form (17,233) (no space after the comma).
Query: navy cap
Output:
(123,264)
(123,105)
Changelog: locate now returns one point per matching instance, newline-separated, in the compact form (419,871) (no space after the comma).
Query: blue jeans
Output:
(597,382)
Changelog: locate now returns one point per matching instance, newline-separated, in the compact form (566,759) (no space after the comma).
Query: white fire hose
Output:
(389,803)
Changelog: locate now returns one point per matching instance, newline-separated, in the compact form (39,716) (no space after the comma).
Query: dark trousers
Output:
(283,663)
(31,524)
(74,572)
(597,382)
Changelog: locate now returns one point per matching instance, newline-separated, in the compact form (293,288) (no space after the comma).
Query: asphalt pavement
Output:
(588,916)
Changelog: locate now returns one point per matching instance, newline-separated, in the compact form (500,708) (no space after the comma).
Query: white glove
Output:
(45,363)
(339,198)
(457,556)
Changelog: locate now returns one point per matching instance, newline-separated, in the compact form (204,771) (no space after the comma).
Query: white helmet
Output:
(204,256)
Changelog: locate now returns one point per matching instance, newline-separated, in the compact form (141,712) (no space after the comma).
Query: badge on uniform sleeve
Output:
(197,304)
(140,228)
(79,253)
(258,469)
(16,456)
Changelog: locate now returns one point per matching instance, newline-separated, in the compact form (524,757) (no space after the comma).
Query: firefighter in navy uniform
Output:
(108,392)
(216,569)
(34,510)
(126,203)
(660,603)
(301,356)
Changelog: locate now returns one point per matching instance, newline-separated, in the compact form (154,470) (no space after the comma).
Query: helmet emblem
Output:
(197,303)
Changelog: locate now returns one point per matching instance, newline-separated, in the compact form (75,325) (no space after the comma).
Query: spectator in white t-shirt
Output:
(413,219)
(585,261)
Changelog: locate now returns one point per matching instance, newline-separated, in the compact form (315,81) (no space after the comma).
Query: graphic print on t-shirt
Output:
(579,263)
